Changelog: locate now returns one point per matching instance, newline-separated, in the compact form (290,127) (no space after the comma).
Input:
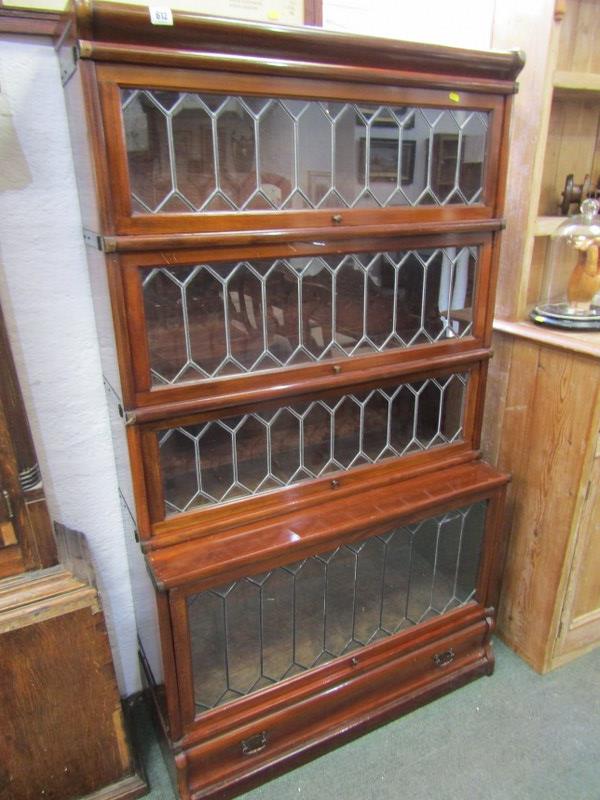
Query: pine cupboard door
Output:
(207,470)
(217,151)
(231,324)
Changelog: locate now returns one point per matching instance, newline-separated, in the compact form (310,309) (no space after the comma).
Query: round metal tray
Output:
(561,315)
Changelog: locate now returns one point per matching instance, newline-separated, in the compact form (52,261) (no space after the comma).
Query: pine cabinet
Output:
(543,423)
(293,250)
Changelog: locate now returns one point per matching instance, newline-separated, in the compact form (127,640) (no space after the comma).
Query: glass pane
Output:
(227,459)
(202,153)
(225,318)
(262,629)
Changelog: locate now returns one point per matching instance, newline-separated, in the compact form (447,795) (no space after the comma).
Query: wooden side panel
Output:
(546,429)
(61,723)
(536,272)
(497,386)
(531,110)
(579,37)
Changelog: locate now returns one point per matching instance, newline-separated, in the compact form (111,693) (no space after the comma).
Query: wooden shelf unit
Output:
(567,81)
(295,326)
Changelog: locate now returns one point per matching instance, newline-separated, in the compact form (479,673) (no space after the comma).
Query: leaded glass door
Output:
(204,153)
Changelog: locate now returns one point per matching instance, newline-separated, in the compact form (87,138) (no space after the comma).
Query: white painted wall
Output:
(45,293)
(460,23)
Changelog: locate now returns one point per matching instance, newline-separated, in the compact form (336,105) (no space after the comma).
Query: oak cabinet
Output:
(294,311)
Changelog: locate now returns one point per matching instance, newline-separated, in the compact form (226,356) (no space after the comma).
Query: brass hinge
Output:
(68,58)
(93,239)
(106,244)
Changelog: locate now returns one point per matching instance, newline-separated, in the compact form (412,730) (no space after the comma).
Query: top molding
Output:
(120,32)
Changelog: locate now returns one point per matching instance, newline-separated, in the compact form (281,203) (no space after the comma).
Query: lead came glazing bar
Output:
(231,458)
(216,319)
(196,153)
(264,628)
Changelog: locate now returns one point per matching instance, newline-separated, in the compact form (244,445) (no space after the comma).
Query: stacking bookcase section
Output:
(293,244)
(204,470)
(195,151)
(247,321)
(318,625)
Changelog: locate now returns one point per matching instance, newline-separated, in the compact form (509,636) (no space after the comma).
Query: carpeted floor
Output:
(514,736)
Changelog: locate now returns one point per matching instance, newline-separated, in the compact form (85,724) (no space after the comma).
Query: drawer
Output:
(374,686)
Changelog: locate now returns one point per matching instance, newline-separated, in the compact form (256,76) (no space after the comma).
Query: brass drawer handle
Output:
(254,744)
(441,659)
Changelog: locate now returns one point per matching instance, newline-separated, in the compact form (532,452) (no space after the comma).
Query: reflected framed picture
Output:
(383,160)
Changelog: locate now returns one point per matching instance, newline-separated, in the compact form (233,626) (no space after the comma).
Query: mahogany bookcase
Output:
(293,243)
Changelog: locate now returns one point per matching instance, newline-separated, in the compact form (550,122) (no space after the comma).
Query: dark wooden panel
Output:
(61,723)
(26,527)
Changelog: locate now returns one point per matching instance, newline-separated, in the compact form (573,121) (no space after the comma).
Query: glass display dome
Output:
(570,296)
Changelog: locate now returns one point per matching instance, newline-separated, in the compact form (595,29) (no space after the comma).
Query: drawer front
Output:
(321,719)
(212,463)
